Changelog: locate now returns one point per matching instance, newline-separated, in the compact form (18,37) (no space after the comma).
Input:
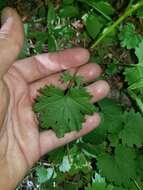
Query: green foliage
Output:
(140,13)
(134,75)
(51,17)
(128,37)
(69,11)
(93,25)
(139,53)
(52,44)
(122,164)
(99,183)
(132,133)
(44,174)
(112,115)
(122,160)
(67,77)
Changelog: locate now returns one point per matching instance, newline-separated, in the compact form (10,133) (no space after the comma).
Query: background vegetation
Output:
(111,157)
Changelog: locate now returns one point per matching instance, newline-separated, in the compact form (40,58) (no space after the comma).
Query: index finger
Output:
(40,66)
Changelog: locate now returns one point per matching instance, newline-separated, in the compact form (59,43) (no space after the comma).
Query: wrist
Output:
(7,179)
(10,176)
(13,166)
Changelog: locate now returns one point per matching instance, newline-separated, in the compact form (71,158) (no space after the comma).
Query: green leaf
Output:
(69,11)
(139,52)
(111,122)
(102,7)
(119,168)
(97,136)
(25,50)
(67,77)
(51,15)
(105,7)
(44,174)
(63,112)
(81,163)
(134,74)
(114,140)
(52,43)
(93,25)
(112,114)
(40,39)
(98,178)
(39,36)
(56,156)
(70,186)
(128,37)
(65,165)
(112,69)
(140,13)
(140,165)
(132,133)
(136,85)
(99,184)
(66,31)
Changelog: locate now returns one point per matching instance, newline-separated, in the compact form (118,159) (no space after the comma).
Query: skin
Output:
(21,143)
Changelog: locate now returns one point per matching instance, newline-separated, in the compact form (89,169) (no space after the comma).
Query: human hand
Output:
(21,143)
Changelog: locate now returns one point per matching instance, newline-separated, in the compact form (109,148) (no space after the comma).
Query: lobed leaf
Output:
(63,112)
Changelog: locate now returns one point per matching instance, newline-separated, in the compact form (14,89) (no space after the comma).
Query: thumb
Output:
(11,39)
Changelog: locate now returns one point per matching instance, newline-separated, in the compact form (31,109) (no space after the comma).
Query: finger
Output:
(40,66)
(89,72)
(11,39)
(49,141)
(98,90)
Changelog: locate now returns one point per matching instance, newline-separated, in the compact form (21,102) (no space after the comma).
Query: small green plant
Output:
(64,110)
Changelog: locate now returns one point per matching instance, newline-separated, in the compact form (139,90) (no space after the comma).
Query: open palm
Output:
(21,143)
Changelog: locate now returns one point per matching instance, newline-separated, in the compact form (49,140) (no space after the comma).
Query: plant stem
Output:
(72,82)
(111,28)
(68,153)
(137,185)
